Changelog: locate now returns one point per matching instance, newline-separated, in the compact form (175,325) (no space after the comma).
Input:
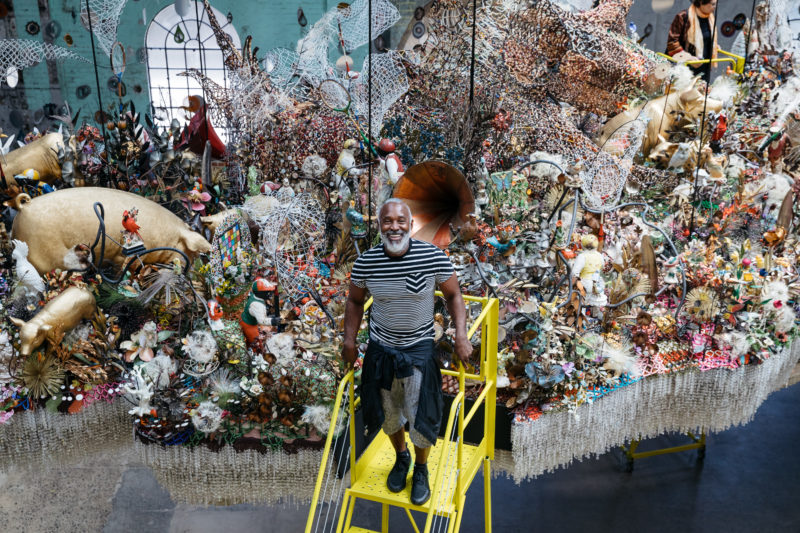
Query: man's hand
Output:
(349,354)
(354,311)
(463,349)
(455,305)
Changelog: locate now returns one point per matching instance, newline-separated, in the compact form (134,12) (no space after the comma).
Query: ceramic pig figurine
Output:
(53,224)
(59,315)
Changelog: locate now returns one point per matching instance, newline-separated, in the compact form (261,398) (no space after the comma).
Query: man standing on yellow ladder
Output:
(400,380)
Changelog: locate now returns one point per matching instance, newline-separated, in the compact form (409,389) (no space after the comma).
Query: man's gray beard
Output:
(398,248)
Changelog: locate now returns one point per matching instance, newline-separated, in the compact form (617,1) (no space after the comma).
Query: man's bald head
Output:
(394,203)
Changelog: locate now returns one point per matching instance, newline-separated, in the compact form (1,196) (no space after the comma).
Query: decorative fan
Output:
(439,196)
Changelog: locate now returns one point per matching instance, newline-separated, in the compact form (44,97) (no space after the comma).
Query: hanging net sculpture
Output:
(577,56)
(16,54)
(104,21)
(354,21)
(604,180)
(347,26)
(389,83)
(292,232)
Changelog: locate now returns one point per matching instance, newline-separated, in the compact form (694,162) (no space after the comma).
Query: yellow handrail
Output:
(449,429)
(347,379)
(738,61)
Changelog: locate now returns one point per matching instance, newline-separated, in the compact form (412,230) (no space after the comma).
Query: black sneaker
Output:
(420,491)
(396,481)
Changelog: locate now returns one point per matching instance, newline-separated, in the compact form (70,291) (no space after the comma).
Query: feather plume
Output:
(648,263)
(724,89)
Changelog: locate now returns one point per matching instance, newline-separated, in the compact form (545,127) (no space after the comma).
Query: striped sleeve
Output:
(358,275)
(444,268)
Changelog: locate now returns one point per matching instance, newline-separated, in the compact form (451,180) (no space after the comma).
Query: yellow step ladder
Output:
(452,464)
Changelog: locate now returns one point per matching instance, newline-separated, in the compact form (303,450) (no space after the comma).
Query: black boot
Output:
(420,491)
(397,477)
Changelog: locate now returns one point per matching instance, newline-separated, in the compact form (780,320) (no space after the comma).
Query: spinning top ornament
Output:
(440,199)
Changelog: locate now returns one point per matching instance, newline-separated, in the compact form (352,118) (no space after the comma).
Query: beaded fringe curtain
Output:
(201,477)
(686,401)
(38,439)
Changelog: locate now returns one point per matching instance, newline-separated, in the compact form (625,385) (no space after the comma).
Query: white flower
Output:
(256,389)
(159,370)
(207,417)
(259,363)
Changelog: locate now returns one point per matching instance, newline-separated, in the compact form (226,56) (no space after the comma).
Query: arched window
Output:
(175,44)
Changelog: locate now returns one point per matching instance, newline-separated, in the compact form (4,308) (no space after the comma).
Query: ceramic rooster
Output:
(27,275)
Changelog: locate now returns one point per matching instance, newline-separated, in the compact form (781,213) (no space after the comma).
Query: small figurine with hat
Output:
(256,309)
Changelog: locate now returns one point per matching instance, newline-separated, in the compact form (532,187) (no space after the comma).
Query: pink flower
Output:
(5,416)
(777,304)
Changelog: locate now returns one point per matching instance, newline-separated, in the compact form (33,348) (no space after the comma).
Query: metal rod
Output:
(472,60)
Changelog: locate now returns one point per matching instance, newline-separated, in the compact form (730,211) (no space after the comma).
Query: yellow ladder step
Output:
(374,466)
(354,529)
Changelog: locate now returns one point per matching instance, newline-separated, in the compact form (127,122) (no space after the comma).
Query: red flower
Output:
(777,304)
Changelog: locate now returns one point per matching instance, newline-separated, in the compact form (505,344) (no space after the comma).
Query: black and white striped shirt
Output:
(402,291)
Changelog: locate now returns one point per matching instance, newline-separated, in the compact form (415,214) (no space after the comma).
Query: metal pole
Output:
(702,125)
(749,33)
(369,124)
(97,82)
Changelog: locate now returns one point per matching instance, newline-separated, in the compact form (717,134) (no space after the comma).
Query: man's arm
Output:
(353,313)
(458,312)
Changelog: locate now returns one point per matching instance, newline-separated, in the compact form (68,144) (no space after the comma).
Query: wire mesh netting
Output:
(104,21)
(389,83)
(292,232)
(604,180)
(16,54)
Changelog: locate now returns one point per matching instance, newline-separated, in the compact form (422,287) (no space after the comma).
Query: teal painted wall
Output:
(272,23)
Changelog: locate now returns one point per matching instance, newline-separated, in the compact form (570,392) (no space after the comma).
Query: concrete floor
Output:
(749,481)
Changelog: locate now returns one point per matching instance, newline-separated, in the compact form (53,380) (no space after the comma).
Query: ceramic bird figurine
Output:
(358,226)
(681,156)
(345,167)
(215,315)
(129,221)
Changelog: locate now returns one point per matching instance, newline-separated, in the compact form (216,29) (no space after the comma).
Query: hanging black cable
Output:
(97,81)
(749,33)
(702,124)
(201,53)
(369,122)
(472,62)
